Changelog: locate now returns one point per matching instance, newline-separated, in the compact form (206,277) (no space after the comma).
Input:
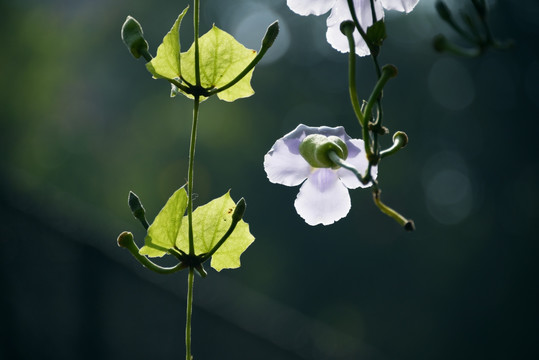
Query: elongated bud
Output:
(133,37)
(137,209)
(135,205)
(443,11)
(315,150)
(237,215)
(271,35)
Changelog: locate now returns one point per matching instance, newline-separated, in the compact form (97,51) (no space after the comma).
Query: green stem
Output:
(342,163)
(349,31)
(405,223)
(400,139)
(189,313)
(388,71)
(408,225)
(179,85)
(126,240)
(197,51)
(190,174)
(358,26)
(373,12)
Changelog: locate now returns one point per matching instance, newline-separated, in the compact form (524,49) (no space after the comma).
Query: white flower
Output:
(323,198)
(340,12)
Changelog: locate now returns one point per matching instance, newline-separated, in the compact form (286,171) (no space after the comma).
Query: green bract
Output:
(210,222)
(222,58)
(315,150)
(166,64)
(163,232)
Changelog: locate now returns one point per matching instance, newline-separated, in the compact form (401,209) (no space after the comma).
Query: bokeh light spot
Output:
(451,84)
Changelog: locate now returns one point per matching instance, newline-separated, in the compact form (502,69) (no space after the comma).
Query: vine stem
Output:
(190,174)
(196,105)
(189,313)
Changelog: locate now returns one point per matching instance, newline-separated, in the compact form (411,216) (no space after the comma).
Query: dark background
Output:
(82,123)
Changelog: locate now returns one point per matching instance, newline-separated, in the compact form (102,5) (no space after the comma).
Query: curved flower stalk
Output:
(340,12)
(323,197)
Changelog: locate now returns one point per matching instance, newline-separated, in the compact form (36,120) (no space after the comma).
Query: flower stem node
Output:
(391,70)
(315,149)
(133,38)
(347,27)
(125,239)
(401,138)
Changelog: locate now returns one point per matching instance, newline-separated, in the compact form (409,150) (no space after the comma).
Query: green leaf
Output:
(210,223)
(163,232)
(222,58)
(167,63)
(376,33)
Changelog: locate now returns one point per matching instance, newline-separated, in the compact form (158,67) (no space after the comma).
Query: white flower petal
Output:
(360,162)
(322,199)
(341,12)
(310,7)
(400,5)
(284,166)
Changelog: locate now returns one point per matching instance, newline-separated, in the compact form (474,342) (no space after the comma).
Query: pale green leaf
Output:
(163,232)
(166,64)
(222,58)
(210,223)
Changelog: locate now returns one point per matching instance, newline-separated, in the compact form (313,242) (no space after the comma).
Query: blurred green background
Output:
(82,123)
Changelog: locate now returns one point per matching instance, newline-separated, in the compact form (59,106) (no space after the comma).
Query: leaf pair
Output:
(221,59)
(210,222)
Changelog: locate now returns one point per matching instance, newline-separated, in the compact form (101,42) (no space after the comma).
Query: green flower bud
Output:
(133,37)
(239,210)
(315,150)
(135,205)
(271,35)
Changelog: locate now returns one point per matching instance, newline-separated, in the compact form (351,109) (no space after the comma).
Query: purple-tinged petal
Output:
(360,162)
(322,199)
(400,5)
(284,166)
(310,7)
(341,12)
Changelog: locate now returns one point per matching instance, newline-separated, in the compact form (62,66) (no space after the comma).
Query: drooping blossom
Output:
(341,12)
(323,197)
